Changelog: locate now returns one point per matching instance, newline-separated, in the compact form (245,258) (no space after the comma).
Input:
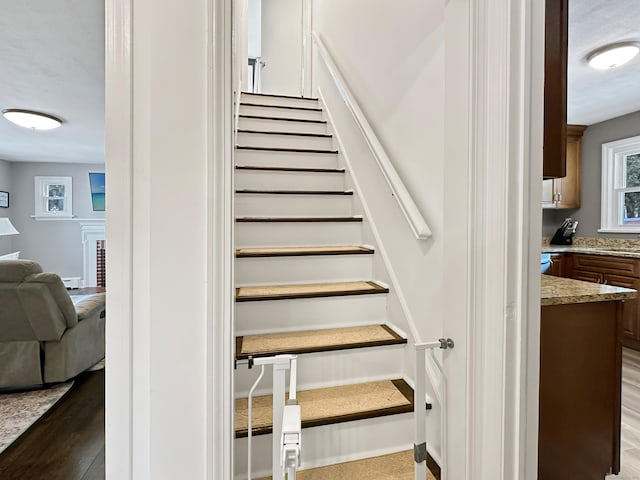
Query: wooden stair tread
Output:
(290,169)
(285,149)
(279,106)
(394,466)
(310,341)
(310,290)
(297,219)
(293,134)
(326,406)
(295,192)
(262,117)
(273,95)
(302,251)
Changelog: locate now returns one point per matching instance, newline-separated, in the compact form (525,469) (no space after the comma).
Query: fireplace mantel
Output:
(92,230)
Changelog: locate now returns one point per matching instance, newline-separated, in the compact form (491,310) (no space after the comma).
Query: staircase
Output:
(304,285)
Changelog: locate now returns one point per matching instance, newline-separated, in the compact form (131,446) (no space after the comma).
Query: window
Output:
(53,197)
(621,186)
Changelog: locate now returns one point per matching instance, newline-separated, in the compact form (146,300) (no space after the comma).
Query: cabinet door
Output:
(555,88)
(568,187)
(548,194)
(558,265)
(586,276)
(630,310)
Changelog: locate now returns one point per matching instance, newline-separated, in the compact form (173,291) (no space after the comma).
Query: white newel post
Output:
(92,230)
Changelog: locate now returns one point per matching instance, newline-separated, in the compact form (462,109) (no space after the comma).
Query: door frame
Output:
(495,109)
(133,365)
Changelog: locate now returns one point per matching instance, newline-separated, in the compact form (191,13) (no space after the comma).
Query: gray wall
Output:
(56,245)
(6,243)
(589,212)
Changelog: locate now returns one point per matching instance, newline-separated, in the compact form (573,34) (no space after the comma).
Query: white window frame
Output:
(613,155)
(41,200)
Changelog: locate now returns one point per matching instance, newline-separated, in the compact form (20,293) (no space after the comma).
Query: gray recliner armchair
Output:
(44,337)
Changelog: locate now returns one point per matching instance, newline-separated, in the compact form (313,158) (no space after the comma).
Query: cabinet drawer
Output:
(617,265)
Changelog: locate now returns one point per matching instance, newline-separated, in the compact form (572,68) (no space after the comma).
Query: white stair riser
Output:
(342,367)
(268,125)
(280,112)
(332,444)
(278,180)
(265,234)
(261,205)
(285,141)
(302,269)
(309,313)
(282,101)
(269,158)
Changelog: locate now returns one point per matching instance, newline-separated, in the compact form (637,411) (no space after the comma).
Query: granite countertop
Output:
(596,246)
(560,291)
(609,251)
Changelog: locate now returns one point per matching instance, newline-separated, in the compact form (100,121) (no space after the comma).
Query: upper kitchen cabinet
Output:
(564,192)
(555,88)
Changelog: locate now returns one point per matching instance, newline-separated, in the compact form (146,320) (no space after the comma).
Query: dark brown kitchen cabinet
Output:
(616,271)
(555,88)
(558,265)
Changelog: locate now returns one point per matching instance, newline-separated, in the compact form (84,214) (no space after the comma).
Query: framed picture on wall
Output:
(4,199)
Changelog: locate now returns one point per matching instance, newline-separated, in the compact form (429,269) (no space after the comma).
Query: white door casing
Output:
(169,142)
(492,232)
(493,138)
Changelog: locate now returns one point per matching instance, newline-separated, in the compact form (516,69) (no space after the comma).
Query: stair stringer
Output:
(397,306)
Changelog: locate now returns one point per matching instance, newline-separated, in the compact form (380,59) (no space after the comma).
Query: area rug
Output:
(18,411)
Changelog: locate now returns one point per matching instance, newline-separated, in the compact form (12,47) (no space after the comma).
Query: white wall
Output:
(281,46)
(158,425)
(255,28)
(6,242)
(55,245)
(399,85)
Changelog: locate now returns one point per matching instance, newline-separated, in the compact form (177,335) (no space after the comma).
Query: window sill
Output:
(51,218)
(634,230)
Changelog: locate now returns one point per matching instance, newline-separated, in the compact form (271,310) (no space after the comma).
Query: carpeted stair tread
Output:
(395,466)
(309,290)
(326,406)
(303,251)
(310,341)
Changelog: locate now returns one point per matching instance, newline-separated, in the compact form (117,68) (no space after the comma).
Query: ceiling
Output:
(52,60)
(597,95)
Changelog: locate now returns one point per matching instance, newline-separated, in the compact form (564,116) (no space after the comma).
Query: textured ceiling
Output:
(597,95)
(52,60)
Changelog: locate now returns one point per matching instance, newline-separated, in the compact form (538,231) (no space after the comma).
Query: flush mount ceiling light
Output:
(612,56)
(32,120)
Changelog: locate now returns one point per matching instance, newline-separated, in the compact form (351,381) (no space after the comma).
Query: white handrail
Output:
(408,207)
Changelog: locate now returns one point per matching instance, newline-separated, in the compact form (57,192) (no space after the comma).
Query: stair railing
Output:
(414,218)
(286,423)
(419,395)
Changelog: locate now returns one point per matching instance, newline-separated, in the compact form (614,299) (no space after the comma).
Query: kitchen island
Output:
(580,379)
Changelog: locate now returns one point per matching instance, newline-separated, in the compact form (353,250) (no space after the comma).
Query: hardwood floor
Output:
(67,443)
(630,438)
